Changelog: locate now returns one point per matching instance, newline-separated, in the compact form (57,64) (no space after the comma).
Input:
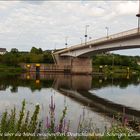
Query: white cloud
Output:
(24,24)
(4,5)
(127,7)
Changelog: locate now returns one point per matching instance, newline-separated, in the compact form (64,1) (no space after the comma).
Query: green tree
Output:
(47,58)
(34,50)
(14,50)
(10,59)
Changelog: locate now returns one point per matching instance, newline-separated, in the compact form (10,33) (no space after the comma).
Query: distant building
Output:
(2,51)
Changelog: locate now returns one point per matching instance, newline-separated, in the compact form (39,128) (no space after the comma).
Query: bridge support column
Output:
(77,65)
(81,65)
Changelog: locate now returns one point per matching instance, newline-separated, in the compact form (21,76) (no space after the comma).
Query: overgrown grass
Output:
(27,125)
(5,69)
(107,69)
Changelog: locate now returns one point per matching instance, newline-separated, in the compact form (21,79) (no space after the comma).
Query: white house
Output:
(2,51)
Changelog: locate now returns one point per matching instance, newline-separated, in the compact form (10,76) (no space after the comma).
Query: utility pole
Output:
(86,34)
(66,41)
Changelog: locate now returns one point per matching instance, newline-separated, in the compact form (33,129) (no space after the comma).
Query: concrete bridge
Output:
(78,57)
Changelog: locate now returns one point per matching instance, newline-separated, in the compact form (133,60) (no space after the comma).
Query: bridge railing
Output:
(118,35)
(114,36)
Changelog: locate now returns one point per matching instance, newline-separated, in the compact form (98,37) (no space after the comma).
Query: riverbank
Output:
(26,124)
(10,70)
(107,69)
(97,70)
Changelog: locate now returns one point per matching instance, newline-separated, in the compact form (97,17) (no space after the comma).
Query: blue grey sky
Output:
(45,24)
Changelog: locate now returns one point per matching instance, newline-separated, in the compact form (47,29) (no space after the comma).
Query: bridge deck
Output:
(100,40)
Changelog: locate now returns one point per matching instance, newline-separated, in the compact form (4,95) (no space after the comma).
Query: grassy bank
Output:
(107,69)
(27,125)
(4,69)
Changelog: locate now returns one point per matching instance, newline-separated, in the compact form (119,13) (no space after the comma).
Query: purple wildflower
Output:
(68,126)
(125,121)
(52,105)
(47,122)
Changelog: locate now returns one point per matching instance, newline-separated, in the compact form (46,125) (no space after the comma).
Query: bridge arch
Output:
(108,45)
(91,53)
(78,56)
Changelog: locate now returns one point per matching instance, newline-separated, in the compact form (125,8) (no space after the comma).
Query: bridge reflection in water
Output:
(77,87)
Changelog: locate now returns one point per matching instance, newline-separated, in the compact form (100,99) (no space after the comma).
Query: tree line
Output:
(36,55)
(115,59)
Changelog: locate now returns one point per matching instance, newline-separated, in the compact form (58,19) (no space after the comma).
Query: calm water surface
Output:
(93,98)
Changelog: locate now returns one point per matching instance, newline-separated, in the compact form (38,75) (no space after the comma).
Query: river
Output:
(94,99)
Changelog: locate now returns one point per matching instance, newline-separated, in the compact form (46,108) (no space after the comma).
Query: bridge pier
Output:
(77,65)
(81,65)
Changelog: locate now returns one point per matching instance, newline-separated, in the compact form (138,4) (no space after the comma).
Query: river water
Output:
(94,99)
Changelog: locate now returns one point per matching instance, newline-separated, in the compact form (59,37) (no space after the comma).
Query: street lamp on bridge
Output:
(107,29)
(86,33)
(138,15)
(66,41)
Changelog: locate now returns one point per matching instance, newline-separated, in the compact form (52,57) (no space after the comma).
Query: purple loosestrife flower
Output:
(50,120)
(52,117)
(68,126)
(52,105)
(57,128)
(47,123)
(125,121)
(60,128)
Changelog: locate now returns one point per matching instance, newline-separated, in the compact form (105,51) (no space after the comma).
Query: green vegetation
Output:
(11,70)
(22,124)
(105,63)
(114,59)
(115,63)
(14,57)
(10,62)
(27,125)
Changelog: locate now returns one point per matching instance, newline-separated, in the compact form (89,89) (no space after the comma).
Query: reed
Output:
(24,122)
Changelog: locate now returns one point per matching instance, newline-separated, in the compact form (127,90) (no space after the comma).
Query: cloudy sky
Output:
(46,24)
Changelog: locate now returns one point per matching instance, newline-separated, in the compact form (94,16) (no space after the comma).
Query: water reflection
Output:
(75,82)
(78,92)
